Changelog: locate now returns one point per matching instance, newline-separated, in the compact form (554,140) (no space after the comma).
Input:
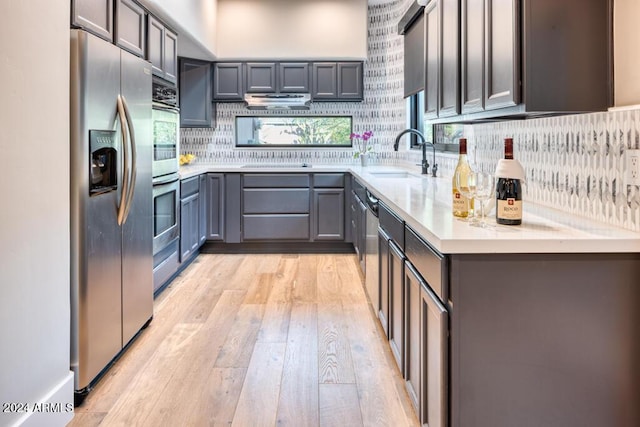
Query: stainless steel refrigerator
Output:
(111,204)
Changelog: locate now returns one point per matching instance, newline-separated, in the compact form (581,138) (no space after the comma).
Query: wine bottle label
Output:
(509,209)
(460,202)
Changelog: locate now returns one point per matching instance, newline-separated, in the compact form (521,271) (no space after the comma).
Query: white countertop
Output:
(425,204)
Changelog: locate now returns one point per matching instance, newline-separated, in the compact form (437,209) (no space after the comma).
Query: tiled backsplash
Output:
(573,163)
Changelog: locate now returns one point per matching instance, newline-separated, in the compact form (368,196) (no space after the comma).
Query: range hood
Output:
(277,101)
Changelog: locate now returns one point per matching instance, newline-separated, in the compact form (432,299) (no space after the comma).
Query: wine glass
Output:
(463,182)
(484,184)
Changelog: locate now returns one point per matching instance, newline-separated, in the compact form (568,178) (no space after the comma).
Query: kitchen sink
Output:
(276,165)
(392,174)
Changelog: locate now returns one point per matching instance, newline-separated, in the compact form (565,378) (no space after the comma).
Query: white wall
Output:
(195,22)
(34,212)
(292,29)
(627,59)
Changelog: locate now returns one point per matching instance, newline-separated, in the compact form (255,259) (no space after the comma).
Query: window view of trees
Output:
(293,131)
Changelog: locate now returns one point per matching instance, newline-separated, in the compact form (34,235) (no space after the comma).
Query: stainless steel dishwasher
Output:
(371,252)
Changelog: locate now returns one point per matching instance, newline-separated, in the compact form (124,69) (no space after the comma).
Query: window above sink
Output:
(293,131)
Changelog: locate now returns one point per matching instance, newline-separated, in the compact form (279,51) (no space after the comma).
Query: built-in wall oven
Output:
(166,129)
(166,182)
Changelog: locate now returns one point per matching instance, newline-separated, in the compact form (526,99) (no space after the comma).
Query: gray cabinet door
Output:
(449,100)
(261,77)
(131,27)
(472,55)
(502,54)
(227,81)
(195,93)
(155,51)
(325,80)
(413,346)
(432,65)
(434,356)
(216,206)
(328,212)
(95,16)
(362,234)
(162,50)
(202,219)
(293,77)
(189,221)
(350,80)
(170,47)
(396,304)
(383,279)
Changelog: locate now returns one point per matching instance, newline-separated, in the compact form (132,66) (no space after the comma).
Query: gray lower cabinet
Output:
(95,16)
(215,206)
(228,81)
(189,217)
(396,304)
(383,279)
(204,199)
(412,324)
(329,213)
(131,27)
(196,106)
(276,207)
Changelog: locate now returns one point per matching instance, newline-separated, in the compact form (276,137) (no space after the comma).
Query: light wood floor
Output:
(256,340)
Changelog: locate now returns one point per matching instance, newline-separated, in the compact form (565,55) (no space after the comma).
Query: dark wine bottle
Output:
(508,194)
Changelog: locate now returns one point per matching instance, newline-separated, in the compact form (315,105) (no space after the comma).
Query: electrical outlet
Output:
(633,167)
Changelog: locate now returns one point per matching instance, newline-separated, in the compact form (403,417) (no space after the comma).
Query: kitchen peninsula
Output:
(532,324)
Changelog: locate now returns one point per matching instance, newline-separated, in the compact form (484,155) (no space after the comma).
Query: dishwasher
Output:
(371,252)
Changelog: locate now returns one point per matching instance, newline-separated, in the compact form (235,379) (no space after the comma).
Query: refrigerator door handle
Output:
(125,162)
(134,161)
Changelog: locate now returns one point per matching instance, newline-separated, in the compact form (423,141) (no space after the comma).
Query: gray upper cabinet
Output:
(196,108)
(472,55)
(502,67)
(227,81)
(432,65)
(261,77)
(442,98)
(449,99)
(414,38)
(95,16)
(325,80)
(293,77)
(131,27)
(530,58)
(162,50)
(337,81)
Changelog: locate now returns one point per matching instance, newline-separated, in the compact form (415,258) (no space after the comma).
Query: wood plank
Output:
(87,419)
(237,349)
(258,402)
(327,279)
(215,403)
(334,353)
(259,288)
(305,281)
(298,405)
(351,284)
(197,363)
(275,322)
(380,400)
(339,405)
(283,280)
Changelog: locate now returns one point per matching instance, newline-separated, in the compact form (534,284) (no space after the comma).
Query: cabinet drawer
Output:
(328,180)
(392,224)
(275,227)
(283,200)
(276,180)
(189,187)
(358,189)
(431,265)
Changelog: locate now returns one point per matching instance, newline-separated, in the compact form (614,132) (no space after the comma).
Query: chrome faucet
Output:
(423,144)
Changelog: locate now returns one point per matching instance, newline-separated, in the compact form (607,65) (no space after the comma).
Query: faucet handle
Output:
(434,170)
